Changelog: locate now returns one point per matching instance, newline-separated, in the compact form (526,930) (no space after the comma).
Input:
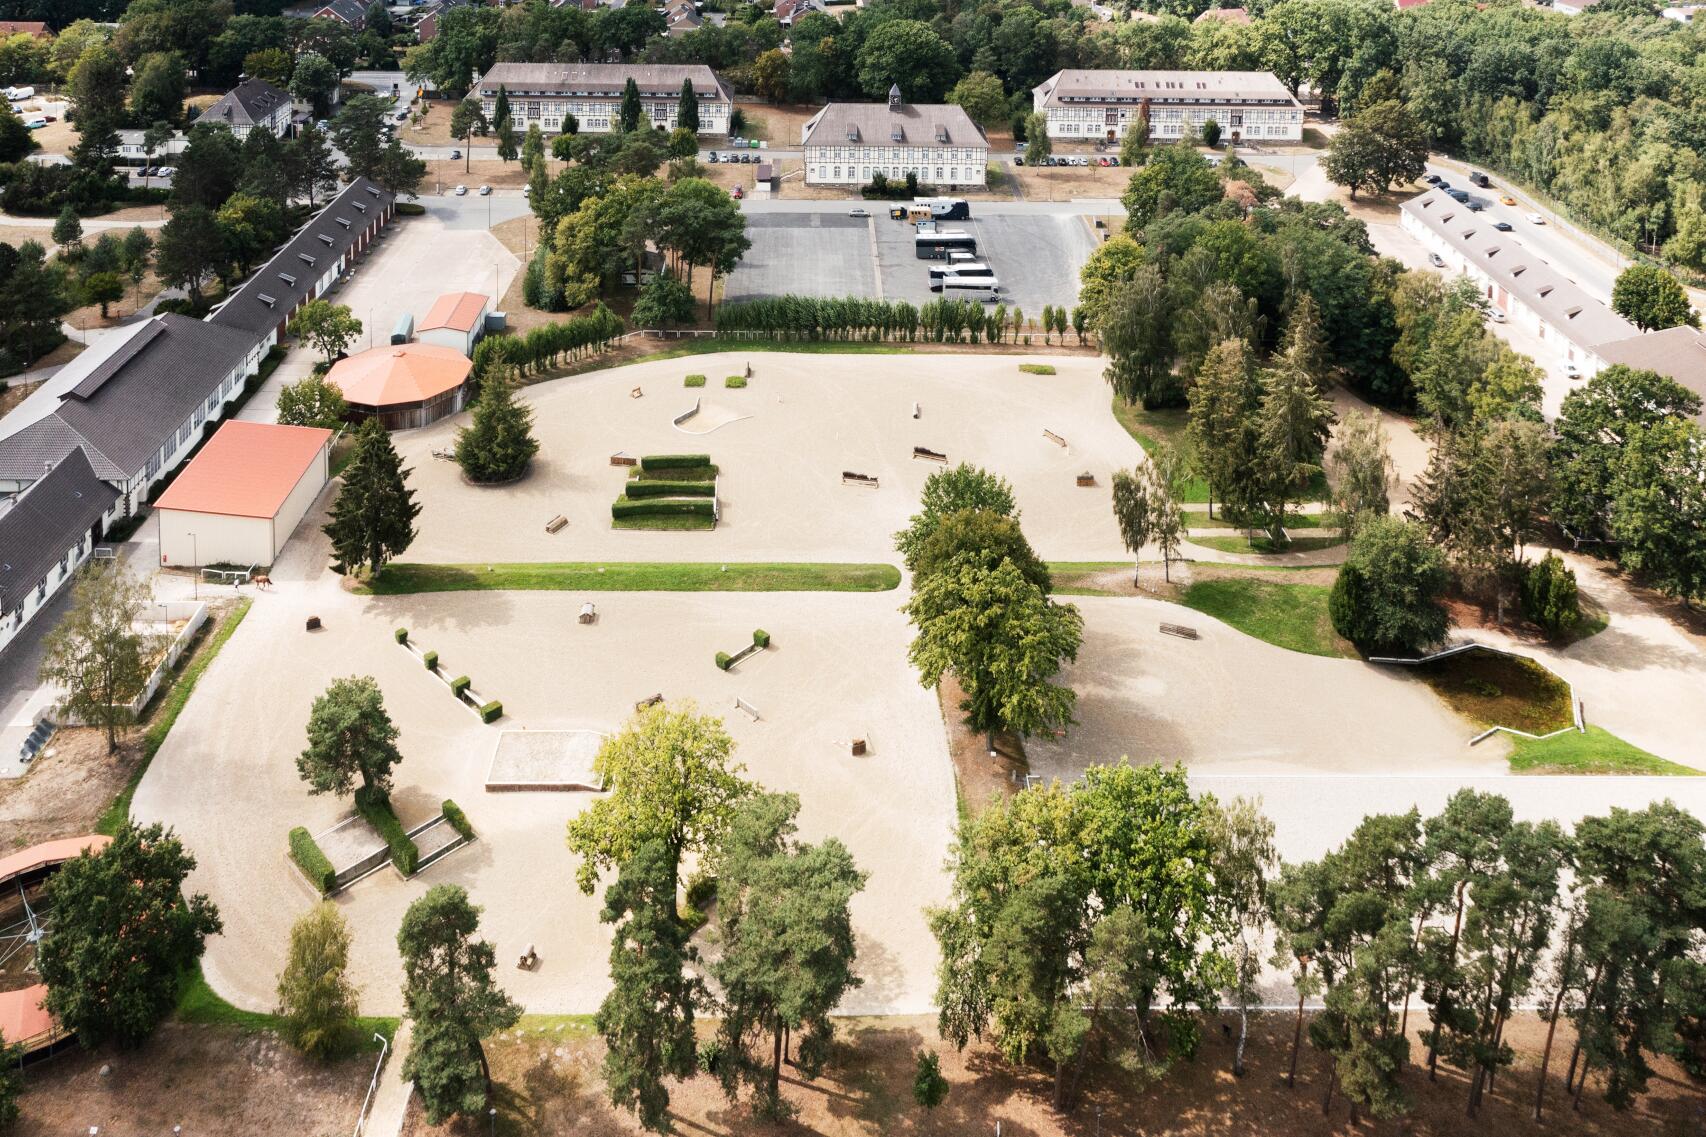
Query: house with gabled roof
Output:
(46,532)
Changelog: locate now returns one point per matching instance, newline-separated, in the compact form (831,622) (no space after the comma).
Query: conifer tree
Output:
(687,114)
(498,444)
(632,112)
(373,518)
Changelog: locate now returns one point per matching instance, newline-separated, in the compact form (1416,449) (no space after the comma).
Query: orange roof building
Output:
(455,320)
(403,385)
(23,1019)
(239,500)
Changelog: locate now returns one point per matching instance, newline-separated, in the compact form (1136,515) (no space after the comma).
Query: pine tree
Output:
(632,112)
(373,518)
(498,444)
(68,230)
(1294,423)
(1305,346)
(687,114)
(1223,424)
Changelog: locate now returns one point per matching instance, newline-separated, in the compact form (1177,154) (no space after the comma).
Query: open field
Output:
(549,1082)
(803,421)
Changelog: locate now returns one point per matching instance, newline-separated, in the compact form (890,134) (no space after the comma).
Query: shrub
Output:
(724,659)
(459,685)
(305,851)
(376,809)
(662,507)
(693,381)
(735,381)
(410,209)
(431,660)
(639,489)
(402,635)
(457,819)
(1549,595)
(1037,368)
(492,711)
(710,1056)
(673,461)
(761,638)
(1386,597)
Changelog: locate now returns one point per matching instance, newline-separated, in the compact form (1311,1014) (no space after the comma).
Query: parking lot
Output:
(1036,257)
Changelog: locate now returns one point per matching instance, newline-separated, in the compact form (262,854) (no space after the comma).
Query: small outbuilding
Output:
(456,320)
(403,385)
(240,499)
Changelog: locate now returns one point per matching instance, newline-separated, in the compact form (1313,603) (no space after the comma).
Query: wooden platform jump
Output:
(636,393)
(621,459)
(1054,438)
(1086,479)
(588,613)
(849,478)
(926,453)
(1179,630)
(556,523)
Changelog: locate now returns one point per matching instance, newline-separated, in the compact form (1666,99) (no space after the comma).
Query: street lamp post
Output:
(195,555)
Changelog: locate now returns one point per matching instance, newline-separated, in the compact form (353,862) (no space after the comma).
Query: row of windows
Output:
(948,175)
(1126,114)
(913,154)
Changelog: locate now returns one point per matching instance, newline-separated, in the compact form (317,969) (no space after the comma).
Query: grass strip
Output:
(201,1005)
(1264,546)
(160,725)
(1292,616)
(402,578)
(1199,519)
(1596,752)
(674,522)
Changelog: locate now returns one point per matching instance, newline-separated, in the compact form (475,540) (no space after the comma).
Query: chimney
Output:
(894,97)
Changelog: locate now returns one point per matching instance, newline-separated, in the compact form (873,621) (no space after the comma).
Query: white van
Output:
(36,121)
(17,93)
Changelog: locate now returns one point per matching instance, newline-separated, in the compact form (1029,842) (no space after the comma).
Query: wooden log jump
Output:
(1179,630)
(928,454)
(1054,438)
(849,478)
(556,523)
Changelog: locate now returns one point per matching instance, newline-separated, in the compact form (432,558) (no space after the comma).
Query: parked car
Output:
(858,211)
(461,191)
(1476,177)
(738,194)
(485,191)
(1433,179)
(1506,199)
(1018,159)
(1498,317)
(526,191)
(1436,260)
(1113,161)
(1444,185)
(1536,219)
(1021,147)
(713,157)
(1475,204)
(455,154)
(1571,371)
(163,171)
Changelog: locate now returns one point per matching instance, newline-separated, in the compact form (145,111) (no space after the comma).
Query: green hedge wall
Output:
(492,711)
(672,461)
(379,814)
(662,507)
(460,684)
(430,659)
(308,857)
(457,819)
(638,489)
(761,637)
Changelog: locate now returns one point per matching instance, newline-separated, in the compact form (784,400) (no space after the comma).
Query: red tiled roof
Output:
(460,311)
(247,469)
(400,375)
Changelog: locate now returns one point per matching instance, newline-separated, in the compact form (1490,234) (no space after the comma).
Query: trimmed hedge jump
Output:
(314,863)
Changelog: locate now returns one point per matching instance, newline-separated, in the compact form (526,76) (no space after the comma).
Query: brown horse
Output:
(262,581)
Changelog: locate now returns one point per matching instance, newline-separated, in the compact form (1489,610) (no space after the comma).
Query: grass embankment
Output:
(1262,544)
(1292,616)
(166,712)
(1596,752)
(201,1005)
(399,579)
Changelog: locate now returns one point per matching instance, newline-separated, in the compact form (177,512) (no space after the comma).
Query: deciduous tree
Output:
(330,328)
(312,401)
(96,654)
(1386,597)
(1651,298)
(316,1000)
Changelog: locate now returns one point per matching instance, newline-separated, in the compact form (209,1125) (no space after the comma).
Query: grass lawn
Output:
(1292,616)
(1151,427)
(1501,690)
(675,522)
(1596,752)
(201,1005)
(589,576)
(166,714)
(1199,519)
(1264,545)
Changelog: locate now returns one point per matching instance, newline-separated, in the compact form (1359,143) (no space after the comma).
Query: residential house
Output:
(250,104)
(787,11)
(544,93)
(1247,105)
(45,533)
(351,13)
(1678,353)
(847,143)
(35,29)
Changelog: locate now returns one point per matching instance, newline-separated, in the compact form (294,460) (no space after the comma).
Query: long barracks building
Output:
(544,93)
(1247,105)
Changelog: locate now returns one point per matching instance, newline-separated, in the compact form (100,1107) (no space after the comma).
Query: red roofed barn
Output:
(241,498)
(456,320)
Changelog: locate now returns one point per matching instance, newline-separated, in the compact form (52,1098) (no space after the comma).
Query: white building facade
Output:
(1102,105)
(546,93)
(847,144)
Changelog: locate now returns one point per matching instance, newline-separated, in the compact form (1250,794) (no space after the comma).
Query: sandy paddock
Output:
(227,779)
(807,419)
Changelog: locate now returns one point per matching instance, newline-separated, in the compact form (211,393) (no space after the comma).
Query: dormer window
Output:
(305,258)
(288,279)
(265,299)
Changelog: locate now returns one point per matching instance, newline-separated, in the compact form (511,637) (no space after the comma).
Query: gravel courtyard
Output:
(807,418)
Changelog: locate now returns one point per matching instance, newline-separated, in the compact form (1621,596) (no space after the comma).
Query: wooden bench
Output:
(528,960)
(1054,438)
(849,478)
(1179,630)
(928,454)
(588,613)
(556,523)
(1086,479)
(650,701)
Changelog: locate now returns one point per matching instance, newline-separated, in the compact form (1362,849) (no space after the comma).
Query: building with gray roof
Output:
(1678,353)
(250,104)
(1516,280)
(1102,104)
(45,533)
(848,143)
(546,93)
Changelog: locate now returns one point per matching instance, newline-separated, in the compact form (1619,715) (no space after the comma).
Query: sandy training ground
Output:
(782,444)
(227,779)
